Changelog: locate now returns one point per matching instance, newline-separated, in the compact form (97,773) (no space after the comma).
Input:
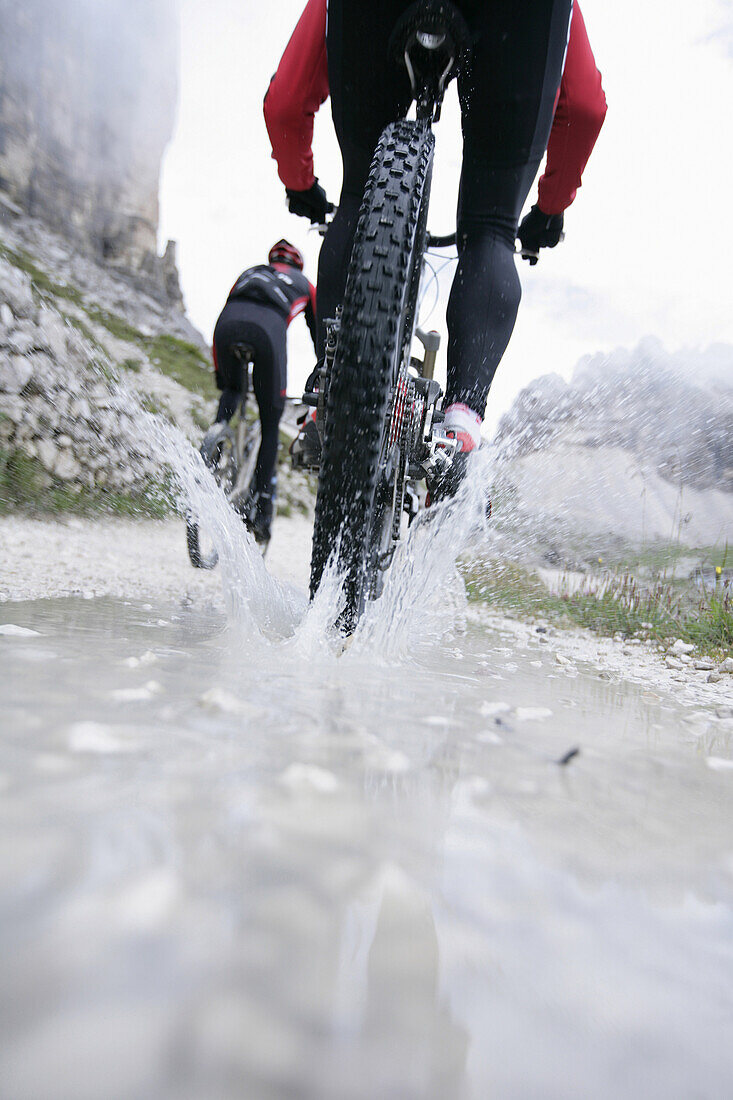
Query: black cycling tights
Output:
(507,104)
(264,329)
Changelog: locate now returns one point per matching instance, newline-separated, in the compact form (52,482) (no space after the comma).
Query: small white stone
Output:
(726,665)
(714,677)
(719,763)
(680,647)
(704,664)
(488,710)
(672,662)
(532,714)
(96,738)
(309,777)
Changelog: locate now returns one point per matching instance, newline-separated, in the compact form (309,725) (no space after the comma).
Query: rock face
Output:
(87,101)
(674,413)
(68,326)
(58,409)
(638,446)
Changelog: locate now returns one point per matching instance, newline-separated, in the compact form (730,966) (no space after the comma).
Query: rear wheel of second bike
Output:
(219,452)
(358,492)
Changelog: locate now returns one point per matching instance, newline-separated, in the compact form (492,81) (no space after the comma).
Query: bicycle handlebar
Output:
(449,240)
(441,242)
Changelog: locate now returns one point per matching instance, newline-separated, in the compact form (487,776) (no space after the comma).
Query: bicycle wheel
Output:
(358,491)
(219,452)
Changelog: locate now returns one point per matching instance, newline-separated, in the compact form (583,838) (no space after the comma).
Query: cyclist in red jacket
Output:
(533,85)
(261,305)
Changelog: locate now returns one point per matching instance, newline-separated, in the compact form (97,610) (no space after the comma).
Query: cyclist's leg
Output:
(269,381)
(230,376)
(368,90)
(508,101)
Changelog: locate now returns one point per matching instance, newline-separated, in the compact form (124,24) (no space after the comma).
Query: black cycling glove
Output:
(311,204)
(540,230)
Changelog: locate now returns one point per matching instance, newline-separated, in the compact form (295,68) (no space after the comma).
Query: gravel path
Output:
(144,559)
(127,559)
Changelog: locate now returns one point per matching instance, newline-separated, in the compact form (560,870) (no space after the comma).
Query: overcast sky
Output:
(649,240)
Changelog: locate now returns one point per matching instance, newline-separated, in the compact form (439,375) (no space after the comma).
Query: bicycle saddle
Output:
(244,352)
(433,41)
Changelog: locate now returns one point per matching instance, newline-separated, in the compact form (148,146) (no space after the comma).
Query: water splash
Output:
(424,596)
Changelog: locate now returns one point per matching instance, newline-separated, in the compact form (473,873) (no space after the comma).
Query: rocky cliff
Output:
(82,352)
(87,103)
(638,447)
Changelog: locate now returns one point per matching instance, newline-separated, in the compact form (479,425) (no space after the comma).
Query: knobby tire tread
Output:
(376,322)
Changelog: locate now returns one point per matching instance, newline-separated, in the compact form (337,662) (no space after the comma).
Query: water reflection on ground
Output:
(236,867)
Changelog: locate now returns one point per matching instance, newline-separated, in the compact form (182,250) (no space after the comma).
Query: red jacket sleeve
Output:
(296,91)
(579,115)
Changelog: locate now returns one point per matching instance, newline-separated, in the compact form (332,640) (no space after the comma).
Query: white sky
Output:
(649,238)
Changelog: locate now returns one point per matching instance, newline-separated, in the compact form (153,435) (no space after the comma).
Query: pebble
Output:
(561,660)
(714,677)
(704,664)
(532,714)
(672,662)
(681,647)
(10,630)
(137,695)
(95,738)
(719,763)
(487,710)
(309,777)
(726,666)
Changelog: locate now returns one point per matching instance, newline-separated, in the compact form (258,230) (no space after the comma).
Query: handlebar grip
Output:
(441,242)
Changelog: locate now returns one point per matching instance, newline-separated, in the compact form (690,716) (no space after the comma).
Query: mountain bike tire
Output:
(377,318)
(221,458)
(238,471)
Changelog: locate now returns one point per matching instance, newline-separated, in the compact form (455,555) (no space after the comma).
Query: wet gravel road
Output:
(243,866)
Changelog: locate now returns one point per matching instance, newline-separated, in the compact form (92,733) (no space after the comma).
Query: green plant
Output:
(43,285)
(183,362)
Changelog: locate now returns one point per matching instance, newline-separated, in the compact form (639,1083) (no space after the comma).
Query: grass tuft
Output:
(615,604)
(25,486)
(44,286)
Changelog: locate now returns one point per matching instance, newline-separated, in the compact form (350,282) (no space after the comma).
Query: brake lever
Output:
(321,228)
(530,254)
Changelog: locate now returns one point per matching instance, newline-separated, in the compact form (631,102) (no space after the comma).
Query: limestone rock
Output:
(89,164)
(21,341)
(15,290)
(52,334)
(47,453)
(67,467)
(15,373)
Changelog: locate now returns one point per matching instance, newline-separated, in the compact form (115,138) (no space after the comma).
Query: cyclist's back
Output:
(260,306)
(508,96)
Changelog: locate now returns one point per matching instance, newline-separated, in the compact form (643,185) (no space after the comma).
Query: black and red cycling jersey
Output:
(279,285)
(300,86)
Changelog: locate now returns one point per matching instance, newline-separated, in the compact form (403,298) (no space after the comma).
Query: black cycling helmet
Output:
(286,253)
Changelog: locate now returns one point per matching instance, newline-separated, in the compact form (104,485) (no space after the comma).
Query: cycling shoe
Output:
(305,450)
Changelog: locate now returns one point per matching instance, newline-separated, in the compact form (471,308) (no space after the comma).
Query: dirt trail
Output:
(241,865)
